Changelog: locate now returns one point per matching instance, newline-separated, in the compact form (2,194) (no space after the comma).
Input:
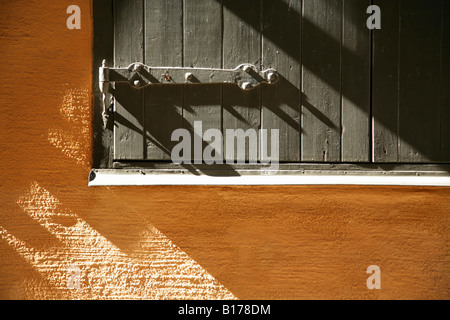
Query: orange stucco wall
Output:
(179,242)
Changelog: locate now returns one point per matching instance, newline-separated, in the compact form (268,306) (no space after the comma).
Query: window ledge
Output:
(146,177)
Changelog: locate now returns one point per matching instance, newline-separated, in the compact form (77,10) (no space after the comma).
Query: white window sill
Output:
(113,177)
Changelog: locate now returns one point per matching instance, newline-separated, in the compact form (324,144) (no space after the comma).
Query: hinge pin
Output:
(271,77)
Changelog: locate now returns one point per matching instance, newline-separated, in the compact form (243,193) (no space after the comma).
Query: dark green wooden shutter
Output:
(346,94)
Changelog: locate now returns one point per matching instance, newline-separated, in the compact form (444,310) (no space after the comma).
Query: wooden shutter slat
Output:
(355,51)
(128,48)
(386,84)
(420,44)
(202,48)
(163,47)
(321,62)
(241,44)
(281,50)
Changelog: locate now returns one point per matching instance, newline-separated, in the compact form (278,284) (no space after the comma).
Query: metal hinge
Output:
(247,76)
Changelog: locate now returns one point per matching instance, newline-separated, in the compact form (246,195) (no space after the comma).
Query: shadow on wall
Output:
(258,242)
(73,139)
(88,266)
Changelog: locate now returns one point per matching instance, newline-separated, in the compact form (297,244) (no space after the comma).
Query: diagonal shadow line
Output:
(120,119)
(162,138)
(318,114)
(236,114)
(241,104)
(279,8)
(44,208)
(275,99)
(321,45)
(188,167)
(325,45)
(205,169)
(285,117)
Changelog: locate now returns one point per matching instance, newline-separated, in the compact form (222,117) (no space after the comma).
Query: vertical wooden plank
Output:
(356,45)
(129,32)
(281,50)
(128,48)
(203,33)
(420,42)
(321,72)
(241,44)
(164,33)
(385,83)
(163,47)
(202,48)
(445,84)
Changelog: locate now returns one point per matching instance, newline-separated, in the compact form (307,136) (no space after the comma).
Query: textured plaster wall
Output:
(179,242)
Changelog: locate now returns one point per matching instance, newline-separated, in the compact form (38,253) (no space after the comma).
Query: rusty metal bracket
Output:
(138,75)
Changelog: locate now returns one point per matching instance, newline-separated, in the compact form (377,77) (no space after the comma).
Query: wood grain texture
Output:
(329,39)
(203,33)
(203,49)
(420,45)
(385,99)
(241,44)
(128,123)
(408,73)
(355,64)
(281,50)
(163,104)
(129,102)
(164,33)
(321,83)
(129,32)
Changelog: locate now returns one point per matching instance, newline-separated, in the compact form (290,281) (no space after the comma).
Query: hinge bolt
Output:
(271,77)
(137,83)
(105,116)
